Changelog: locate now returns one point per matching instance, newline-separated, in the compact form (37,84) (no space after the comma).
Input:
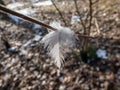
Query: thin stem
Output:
(91,17)
(83,25)
(86,40)
(30,19)
(59,12)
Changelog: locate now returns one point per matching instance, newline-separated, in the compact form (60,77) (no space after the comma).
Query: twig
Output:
(85,36)
(97,26)
(90,21)
(86,40)
(59,12)
(30,19)
(83,25)
(87,16)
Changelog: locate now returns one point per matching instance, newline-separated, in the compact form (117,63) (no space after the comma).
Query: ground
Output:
(36,71)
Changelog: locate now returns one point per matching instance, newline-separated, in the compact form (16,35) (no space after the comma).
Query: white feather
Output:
(59,42)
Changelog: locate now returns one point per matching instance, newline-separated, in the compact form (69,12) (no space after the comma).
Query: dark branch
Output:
(90,13)
(76,6)
(59,12)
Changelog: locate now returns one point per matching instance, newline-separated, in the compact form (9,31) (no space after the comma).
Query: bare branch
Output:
(90,13)
(30,19)
(85,43)
(76,6)
(59,12)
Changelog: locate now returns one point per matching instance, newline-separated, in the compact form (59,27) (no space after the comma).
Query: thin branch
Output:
(76,6)
(6,10)
(85,36)
(59,12)
(97,26)
(30,19)
(87,16)
(91,17)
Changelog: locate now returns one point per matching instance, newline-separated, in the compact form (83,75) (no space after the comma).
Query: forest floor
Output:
(29,68)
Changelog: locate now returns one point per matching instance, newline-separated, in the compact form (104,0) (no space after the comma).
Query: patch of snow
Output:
(37,37)
(102,54)
(34,44)
(11,49)
(40,33)
(75,19)
(14,18)
(27,11)
(36,26)
(15,5)
(43,3)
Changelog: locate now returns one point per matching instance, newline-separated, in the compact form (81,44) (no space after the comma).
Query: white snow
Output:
(36,26)
(43,3)
(102,54)
(14,18)
(15,5)
(37,37)
(27,11)
(11,49)
(75,19)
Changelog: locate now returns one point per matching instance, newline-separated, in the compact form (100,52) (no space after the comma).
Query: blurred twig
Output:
(91,17)
(86,40)
(3,9)
(59,12)
(76,6)
(97,26)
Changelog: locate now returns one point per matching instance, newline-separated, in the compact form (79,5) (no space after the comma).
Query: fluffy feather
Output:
(58,43)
